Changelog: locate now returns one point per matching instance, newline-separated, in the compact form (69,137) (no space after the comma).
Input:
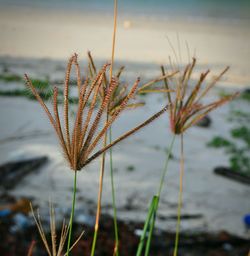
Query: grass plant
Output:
(185,110)
(79,145)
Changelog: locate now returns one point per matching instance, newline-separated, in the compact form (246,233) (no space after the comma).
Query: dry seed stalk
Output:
(55,250)
(31,248)
(151,119)
(183,114)
(186,110)
(78,147)
(121,91)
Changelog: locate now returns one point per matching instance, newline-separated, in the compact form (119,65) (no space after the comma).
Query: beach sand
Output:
(32,34)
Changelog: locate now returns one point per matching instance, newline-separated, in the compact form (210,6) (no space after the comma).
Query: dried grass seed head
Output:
(120,92)
(52,248)
(186,108)
(79,144)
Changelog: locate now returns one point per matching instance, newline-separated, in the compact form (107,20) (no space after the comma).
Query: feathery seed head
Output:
(119,94)
(79,144)
(185,110)
(55,249)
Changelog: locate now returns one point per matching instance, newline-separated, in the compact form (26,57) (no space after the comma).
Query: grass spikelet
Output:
(186,109)
(125,135)
(54,250)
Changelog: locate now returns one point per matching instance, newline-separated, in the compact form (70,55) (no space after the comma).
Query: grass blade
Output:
(145,228)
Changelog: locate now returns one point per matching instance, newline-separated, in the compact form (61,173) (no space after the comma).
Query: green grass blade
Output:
(146,224)
(152,226)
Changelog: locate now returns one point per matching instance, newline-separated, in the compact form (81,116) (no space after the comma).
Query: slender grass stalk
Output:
(158,196)
(154,207)
(31,248)
(72,213)
(166,166)
(180,198)
(104,141)
(99,201)
(116,249)
(113,39)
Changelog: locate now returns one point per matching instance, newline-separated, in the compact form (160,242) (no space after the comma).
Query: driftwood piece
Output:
(237,176)
(12,172)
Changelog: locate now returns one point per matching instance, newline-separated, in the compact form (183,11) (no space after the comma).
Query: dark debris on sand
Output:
(17,235)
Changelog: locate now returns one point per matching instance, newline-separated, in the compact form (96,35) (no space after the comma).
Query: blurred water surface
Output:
(222,9)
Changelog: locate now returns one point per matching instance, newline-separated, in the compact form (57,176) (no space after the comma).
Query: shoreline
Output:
(17,66)
(34,34)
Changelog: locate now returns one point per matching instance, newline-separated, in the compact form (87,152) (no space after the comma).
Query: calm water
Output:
(225,9)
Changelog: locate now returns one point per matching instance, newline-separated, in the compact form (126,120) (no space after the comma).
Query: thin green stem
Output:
(164,172)
(94,242)
(72,213)
(113,197)
(166,166)
(180,198)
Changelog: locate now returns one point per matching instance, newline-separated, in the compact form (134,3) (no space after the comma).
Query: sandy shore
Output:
(220,202)
(27,33)
(56,34)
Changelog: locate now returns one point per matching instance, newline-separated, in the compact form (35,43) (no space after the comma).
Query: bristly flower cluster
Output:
(55,249)
(118,94)
(88,130)
(186,110)
(122,90)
